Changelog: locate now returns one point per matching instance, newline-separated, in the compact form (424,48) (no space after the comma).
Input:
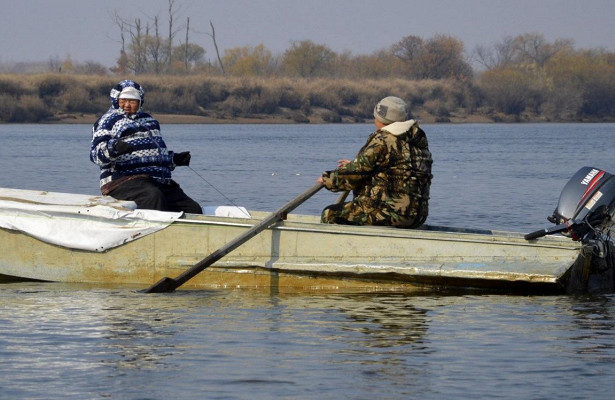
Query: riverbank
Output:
(57,98)
(317,118)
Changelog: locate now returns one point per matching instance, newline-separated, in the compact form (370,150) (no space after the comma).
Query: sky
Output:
(40,30)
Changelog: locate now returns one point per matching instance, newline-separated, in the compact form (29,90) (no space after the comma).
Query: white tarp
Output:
(94,223)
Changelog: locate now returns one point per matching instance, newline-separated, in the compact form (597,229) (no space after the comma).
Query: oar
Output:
(342,197)
(169,284)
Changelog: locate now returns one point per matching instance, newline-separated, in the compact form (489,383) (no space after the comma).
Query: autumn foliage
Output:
(523,78)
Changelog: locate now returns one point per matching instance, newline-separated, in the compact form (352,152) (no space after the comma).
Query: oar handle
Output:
(342,197)
(169,284)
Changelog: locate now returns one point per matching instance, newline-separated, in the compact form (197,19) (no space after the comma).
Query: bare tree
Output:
(504,51)
(530,48)
(213,37)
(172,14)
(411,50)
(500,54)
(154,49)
(435,58)
(138,48)
(186,46)
(121,25)
(121,67)
(534,48)
(133,55)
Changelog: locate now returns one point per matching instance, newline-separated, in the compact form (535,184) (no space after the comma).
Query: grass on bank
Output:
(52,97)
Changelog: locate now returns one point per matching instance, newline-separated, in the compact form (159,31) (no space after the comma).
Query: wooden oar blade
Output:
(165,285)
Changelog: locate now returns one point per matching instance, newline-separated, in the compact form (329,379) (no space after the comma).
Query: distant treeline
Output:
(524,78)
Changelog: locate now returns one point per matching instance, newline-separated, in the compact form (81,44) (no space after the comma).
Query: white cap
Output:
(130,93)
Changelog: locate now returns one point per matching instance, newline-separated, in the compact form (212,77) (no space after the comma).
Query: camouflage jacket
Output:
(390,178)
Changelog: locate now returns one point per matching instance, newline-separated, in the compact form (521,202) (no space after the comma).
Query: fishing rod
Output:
(216,189)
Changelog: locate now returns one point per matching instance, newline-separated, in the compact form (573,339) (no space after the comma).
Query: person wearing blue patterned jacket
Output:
(134,161)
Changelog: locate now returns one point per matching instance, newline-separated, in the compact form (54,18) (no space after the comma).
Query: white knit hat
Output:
(391,109)
(130,93)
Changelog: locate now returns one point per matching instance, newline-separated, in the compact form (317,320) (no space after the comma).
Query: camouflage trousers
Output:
(349,214)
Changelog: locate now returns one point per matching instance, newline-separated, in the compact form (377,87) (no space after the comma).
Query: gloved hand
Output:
(182,158)
(121,147)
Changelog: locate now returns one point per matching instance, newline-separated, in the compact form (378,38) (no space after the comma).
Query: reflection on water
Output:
(67,341)
(386,320)
(594,327)
(88,342)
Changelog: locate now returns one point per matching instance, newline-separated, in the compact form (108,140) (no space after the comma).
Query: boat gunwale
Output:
(436,233)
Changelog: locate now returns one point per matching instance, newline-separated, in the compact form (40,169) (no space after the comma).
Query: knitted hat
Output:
(130,92)
(391,109)
(125,89)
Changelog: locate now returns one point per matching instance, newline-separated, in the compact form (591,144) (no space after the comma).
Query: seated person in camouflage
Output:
(390,176)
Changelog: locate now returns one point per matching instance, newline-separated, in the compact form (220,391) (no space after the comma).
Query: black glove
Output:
(121,147)
(182,158)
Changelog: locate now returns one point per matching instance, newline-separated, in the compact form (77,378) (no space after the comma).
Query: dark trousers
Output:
(151,195)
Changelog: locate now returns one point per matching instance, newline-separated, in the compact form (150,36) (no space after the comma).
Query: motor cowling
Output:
(586,201)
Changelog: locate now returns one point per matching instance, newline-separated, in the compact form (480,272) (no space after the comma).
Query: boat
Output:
(63,237)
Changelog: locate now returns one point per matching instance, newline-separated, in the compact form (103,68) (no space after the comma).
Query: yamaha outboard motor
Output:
(586,204)
(587,200)
(586,212)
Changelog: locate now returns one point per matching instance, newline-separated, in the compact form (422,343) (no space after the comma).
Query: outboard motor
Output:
(586,204)
(586,213)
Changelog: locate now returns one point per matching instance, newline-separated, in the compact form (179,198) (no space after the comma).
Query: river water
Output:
(62,341)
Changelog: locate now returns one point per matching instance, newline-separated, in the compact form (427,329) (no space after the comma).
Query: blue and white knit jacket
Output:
(151,156)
